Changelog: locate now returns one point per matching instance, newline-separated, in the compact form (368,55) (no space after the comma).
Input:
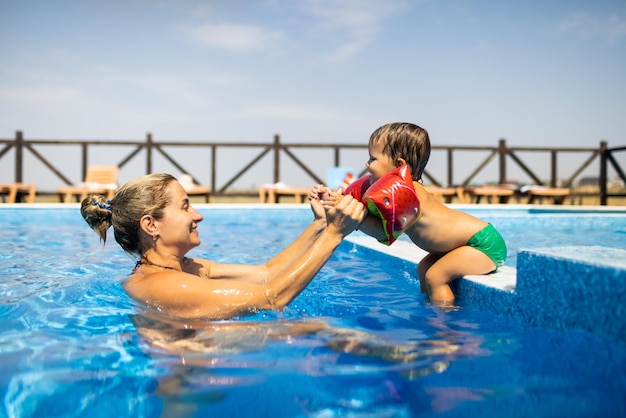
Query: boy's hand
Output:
(317,205)
(328,197)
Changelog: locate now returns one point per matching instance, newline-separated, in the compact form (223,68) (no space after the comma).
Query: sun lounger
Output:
(100,179)
(15,192)
(271,193)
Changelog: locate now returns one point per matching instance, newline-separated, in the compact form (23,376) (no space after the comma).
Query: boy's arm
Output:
(373,227)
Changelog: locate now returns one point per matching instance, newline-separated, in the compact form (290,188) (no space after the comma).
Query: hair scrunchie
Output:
(101,205)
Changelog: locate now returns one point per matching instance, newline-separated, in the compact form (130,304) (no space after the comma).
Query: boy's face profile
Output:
(379,163)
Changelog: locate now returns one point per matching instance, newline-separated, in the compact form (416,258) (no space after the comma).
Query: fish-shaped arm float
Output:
(391,198)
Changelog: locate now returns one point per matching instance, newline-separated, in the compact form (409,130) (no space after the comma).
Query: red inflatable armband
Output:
(392,198)
(358,187)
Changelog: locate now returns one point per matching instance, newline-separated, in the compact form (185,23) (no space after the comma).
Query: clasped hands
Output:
(342,213)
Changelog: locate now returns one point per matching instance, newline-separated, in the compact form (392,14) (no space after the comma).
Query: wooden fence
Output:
(608,159)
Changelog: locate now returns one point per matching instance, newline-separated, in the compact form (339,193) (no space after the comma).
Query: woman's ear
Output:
(400,161)
(148,225)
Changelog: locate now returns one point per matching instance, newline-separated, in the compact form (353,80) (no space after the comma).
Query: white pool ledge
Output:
(504,279)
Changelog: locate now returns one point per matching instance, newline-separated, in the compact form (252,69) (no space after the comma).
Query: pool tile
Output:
(567,287)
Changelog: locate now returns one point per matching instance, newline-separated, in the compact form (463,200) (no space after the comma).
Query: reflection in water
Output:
(197,349)
(187,337)
(203,359)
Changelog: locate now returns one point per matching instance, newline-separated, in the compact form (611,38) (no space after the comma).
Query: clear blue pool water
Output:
(70,344)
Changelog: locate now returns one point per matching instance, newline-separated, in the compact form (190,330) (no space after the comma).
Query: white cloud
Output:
(350,24)
(611,27)
(173,88)
(53,96)
(290,111)
(351,14)
(342,27)
(135,119)
(235,37)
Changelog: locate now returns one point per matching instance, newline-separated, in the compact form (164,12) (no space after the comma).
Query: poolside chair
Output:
(15,192)
(336,177)
(271,193)
(100,179)
(493,193)
(446,194)
(194,189)
(555,195)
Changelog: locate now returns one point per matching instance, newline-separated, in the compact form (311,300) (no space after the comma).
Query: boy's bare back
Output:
(441,229)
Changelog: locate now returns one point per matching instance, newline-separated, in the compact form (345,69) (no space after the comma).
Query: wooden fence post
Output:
(553,171)
(84,159)
(19,156)
(450,168)
(148,153)
(213,168)
(276,158)
(604,155)
(502,156)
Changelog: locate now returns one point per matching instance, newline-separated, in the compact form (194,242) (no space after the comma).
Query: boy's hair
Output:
(407,141)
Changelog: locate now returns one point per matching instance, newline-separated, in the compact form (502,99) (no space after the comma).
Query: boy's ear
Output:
(400,161)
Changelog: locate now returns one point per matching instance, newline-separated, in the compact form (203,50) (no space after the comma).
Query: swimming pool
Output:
(70,342)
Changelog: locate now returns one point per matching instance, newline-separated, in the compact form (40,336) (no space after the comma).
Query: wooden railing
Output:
(609,158)
(503,154)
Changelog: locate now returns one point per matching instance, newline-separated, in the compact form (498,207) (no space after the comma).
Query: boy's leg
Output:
(422,267)
(457,263)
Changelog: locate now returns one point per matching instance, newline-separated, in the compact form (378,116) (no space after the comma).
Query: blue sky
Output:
(544,73)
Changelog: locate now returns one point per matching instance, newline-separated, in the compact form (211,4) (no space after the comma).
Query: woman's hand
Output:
(346,215)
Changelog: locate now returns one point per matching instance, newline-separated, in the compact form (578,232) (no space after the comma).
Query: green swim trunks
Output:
(489,241)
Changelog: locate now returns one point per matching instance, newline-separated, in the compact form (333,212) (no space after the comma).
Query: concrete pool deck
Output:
(568,288)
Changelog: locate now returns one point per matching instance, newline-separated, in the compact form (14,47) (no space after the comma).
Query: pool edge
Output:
(528,293)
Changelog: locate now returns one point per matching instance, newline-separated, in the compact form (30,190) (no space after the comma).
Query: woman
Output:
(153,220)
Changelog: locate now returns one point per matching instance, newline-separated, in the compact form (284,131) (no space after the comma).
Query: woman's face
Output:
(178,227)
(379,164)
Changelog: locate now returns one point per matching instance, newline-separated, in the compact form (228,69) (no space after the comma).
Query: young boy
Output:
(457,243)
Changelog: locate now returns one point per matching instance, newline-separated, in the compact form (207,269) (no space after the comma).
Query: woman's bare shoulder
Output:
(198,267)
(189,296)
(162,285)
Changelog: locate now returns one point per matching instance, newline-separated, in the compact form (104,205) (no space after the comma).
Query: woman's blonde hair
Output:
(146,195)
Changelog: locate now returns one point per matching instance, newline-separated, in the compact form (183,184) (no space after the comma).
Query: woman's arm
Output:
(313,241)
(281,261)
(273,286)
(290,256)
(264,273)
(371,225)
(342,219)
(285,260)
